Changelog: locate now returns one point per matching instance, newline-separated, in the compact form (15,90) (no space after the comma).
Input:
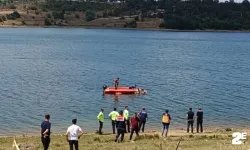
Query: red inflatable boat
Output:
(123,90)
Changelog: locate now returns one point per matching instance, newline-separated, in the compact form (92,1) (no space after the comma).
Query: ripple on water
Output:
(62,71)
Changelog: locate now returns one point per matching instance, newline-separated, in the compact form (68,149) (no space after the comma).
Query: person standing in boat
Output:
(116,81)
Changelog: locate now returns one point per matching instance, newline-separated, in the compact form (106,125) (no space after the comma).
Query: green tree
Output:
(58,15)
(90,15)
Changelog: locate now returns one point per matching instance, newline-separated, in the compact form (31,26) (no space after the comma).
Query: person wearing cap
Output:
(127,120)
(116,81)
(199,120)
(190,120)
(143,118)
(113,115)
(73,133)
(120,126)
(100,118)
(166,119)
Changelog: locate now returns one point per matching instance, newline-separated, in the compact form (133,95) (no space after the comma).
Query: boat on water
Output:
(123,90)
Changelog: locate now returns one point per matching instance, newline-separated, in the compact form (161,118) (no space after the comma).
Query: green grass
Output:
(213,140)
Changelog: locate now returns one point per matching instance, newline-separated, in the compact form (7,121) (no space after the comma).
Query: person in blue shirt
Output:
(143,118)
(45,132)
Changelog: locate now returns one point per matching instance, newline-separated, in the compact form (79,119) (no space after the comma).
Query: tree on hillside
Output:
(90,15)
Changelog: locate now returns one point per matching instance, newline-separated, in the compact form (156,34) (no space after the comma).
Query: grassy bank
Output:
(210,140)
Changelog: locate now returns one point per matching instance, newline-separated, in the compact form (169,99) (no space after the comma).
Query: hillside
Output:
(173,14)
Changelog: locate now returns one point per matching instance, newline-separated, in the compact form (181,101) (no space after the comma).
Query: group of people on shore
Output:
(123,124)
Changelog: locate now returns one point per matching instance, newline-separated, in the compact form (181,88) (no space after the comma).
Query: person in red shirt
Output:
(134,121)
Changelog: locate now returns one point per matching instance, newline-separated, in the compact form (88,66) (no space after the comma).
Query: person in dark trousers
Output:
(199,115)
(113,115)
(143,118)
(116,82)
(166,119)
(45,132)
(127,119)
(134,121)
(190,120)
(73,133)
(120,126)
(100,118)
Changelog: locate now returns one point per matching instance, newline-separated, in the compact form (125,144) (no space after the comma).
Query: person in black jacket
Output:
(199,115)
(120,126)
(190,120)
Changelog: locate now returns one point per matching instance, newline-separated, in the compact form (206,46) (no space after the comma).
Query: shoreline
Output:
(208,140)
(171,130)
(139,29)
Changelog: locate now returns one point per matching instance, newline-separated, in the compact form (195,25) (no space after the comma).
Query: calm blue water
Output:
(62,71)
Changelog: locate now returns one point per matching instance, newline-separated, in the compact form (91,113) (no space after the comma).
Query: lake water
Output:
(62,71)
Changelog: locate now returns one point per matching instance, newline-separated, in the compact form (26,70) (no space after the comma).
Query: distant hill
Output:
(169,14)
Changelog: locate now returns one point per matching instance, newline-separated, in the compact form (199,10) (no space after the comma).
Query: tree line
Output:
(176,14)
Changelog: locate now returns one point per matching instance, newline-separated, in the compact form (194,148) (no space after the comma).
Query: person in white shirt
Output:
(74,132)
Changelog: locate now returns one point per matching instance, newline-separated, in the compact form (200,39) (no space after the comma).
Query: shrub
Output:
(47,22)
(142,19)
(12,7)
(99,16)
(13,15)
(104,14)
(162,25)
(90,15)
(131,24)
(58,15)
(49,16)
(77,16)
(110,13)
(136,18)
(3,18)
(122,18)
(23,22)
(32,8)
(10,17)
(44,10)
(36,12)
(228,129)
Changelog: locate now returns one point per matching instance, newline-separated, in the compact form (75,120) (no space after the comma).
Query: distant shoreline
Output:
(139,29)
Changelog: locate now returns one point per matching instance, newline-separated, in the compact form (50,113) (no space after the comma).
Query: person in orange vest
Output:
(120,126)
(166,118)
